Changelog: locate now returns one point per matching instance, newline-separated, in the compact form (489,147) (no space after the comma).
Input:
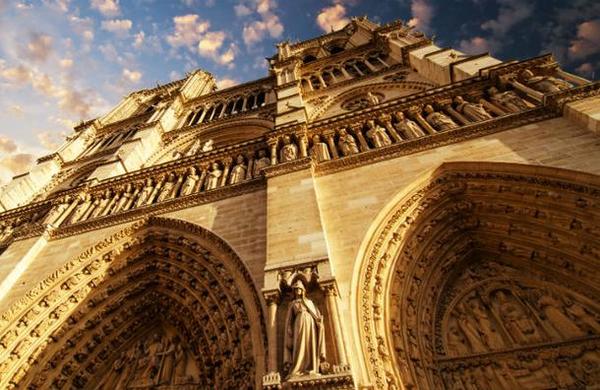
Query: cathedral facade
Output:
(376,213)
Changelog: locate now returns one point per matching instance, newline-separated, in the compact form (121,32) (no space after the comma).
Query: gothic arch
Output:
(159,284)
(483,275)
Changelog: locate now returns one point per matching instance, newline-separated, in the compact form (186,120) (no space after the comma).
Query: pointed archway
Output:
(161,303)
(484,275)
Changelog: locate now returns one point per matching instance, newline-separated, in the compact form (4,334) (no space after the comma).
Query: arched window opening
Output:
(260,99)
(309,58)
(239,104)
(251,102)
(335,49)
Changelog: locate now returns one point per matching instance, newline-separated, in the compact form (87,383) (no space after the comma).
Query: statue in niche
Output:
(508,99)
(190,182)
(238,172)
(544,84)
(438,120)
(289,151)
(214,175)
(516,320)
(208,146)
(124,199)
(583,317)
(487,329)
(469,328)
(179,361)
(404,125)
(57,210)
(377,134)
(145,193)
(154,353)
(304,341)
(457,344)
(261,162)
(194,148)
(167,357)
(319,149)
(167,188)
(347,143)
(552,310)
(473,111)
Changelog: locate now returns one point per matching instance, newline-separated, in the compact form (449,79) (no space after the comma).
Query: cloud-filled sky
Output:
(62,61)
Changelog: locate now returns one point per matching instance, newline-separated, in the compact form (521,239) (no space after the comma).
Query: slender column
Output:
(357,127)
(227,162)
(273,145)
(358,70)
(331,142)
(573,79)
(456,115)
(250,167)
(272,298)
(320,77)
(110,204)
(345,73)
(383,62)
(303,145)
(538,96)
(154,193)
(203,170)
(212,114)
(177,186)
(90,210)
(415,112)
(310,86)
(244,104)
(373,68)
(333,77)
(128,205)
(87,205)
(332,310)
(203,115)
(492,107)
(66,213)
(386,119)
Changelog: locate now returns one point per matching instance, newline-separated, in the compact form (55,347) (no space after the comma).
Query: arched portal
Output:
(161,303)
(484,276)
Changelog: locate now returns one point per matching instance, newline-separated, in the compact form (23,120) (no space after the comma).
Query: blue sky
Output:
(66,60)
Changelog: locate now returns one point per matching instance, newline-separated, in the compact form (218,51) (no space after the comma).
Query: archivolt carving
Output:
(489,273)
(166,297)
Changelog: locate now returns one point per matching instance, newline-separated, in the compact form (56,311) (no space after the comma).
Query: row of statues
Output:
(509,318)
(72,209)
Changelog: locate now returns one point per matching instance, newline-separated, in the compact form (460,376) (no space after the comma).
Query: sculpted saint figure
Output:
(319,149)
(190,182)
(583,317)
(469,328)
(208,146)
(145,193)
(289,151)
(154,354)
(238,172)
(212,181)
(167,188)
(517,322)
(406,126)
(304,340)
(124,199)
(508,99)
(438,120)
(377,134)
(553,312)
(57,210)
(261,162)
(194,148)
(473,111)
(347,143)
(544,84)
(373,99)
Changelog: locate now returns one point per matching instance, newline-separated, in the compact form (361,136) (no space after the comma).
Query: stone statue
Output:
(304,340)
(583,317)
(289,151)
(485,325)
(57,210)
(470,329)
(372,98)
(145,193)
(153,352)
(194,148)
(208,146)
(553,313)
(319,149)
(261,162)
(377,135)
(167,188)
(124,199)
(473,111)
(214,175)
(347,143)
(190,182)
(438,120)
(167,361)
(456,341)
(544,84)
(406,126)
(516,321)
(508,99)
(238,172)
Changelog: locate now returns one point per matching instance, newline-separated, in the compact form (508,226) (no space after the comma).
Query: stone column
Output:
(178,184)
(415,112)
(66,213)
(386,119)
(357,128)
(250,167)
(332,309)
(303,141)
(203,170)
(273,146)
(131,201)
(272,299)
(109,206)
(456,115)
(331,142)
(226,167)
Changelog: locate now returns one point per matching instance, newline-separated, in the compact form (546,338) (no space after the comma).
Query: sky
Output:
(63,61)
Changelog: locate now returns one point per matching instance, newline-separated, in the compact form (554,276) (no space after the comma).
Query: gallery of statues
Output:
(378,212)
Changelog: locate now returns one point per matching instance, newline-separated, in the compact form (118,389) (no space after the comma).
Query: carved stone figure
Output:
(304,340)
(544,84)
(124,199)
(473,111)
(438,120)
(208,146)
(373,99)
(406,126)
(56,211)
(507,99)
(154,354)
(214,176)
(194,148)
(377,135)
(583,317)
(167,188)
(554,314)
(145,193)
(238,172)
(289,151)
(319,149)
(486,328)
(347,143)
(190,182)
(516,321)
(261,162)
(470,329)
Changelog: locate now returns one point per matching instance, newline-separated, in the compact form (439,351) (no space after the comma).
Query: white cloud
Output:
(7,145)
(242,10)
(83,27)
(333,17)
(120,27)
(210,43)
(227,83)
(475,45)
(106,7)
(66,63)
(16,110)
(587,42)
(15,164)
(188,30)
(138,40)
(268,25)
(39,47)
(50,139)
(133,76)
(422,13)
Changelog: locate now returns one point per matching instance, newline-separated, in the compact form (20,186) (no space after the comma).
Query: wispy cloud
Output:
(332,18)
(106,7)
(422,14)
(120,27)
